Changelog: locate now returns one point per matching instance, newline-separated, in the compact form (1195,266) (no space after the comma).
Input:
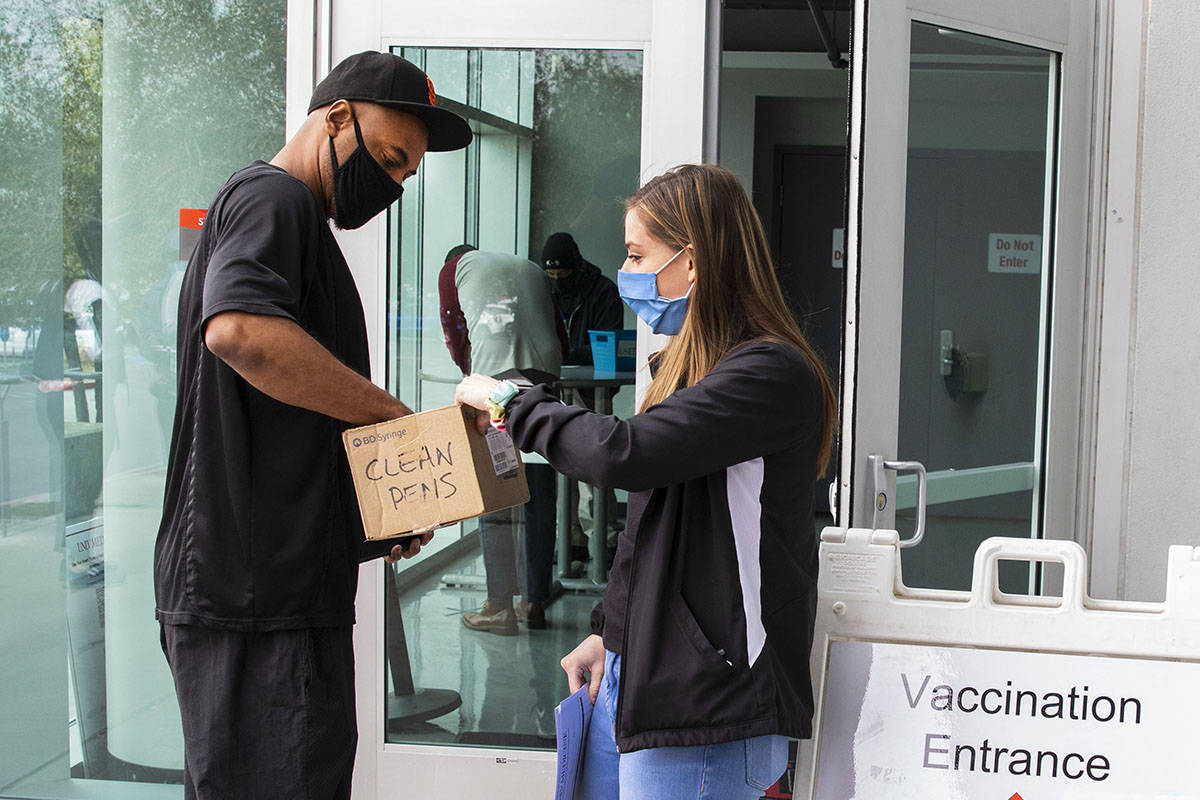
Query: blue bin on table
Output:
(613,351)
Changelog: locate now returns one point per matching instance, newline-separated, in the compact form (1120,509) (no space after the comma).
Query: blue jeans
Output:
(739,770)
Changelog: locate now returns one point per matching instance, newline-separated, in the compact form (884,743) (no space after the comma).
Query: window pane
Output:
(975,289)
(500,83)
(448,71)
(117,115)
(556,149)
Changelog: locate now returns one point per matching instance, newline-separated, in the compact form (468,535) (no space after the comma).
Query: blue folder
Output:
(571,718)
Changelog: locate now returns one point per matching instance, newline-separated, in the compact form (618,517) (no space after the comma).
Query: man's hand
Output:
(277,357)
(586,659)
(473,392)
(414,547)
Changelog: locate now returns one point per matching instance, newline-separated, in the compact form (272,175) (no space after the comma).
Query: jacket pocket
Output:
(672,677)
(690,628)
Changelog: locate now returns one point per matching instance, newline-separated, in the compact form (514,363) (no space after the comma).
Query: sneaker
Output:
(532,614)
(492,618)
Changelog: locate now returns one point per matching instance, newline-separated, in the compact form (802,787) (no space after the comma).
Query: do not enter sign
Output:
(1019,253)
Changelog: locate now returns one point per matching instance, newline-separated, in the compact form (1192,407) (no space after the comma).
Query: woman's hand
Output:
(473,392)
(586,659)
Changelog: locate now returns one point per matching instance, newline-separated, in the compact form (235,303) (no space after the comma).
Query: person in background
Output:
(256,560)
(588,300)
(498,315)
(698,663)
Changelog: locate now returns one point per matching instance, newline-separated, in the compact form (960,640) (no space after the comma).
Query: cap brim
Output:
(447,130)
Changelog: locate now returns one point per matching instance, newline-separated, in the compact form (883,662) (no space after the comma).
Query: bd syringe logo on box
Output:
(948,723)
(379,438)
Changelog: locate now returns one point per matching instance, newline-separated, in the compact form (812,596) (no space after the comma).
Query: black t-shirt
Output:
(260,529)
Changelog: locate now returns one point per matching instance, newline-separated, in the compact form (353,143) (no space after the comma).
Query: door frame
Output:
(875,237)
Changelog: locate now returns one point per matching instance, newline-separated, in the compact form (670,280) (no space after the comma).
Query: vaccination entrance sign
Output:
(959,723)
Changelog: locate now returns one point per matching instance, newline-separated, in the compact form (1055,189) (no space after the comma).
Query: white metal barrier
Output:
(953,695)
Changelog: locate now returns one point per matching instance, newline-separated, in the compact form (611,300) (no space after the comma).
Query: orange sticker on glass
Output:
(192,218)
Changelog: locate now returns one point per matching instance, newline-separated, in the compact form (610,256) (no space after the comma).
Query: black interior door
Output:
(810,207)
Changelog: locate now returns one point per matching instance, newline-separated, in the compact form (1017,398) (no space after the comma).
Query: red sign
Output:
(191,222)
(192,218)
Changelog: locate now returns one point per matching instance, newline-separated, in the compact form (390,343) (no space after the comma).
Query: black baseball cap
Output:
(392,81)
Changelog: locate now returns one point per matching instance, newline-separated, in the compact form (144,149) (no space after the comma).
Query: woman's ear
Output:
(691,265)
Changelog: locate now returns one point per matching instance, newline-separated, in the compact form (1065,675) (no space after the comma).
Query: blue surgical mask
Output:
(640,291)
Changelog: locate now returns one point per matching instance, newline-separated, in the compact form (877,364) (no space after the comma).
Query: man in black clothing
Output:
(256,561)
(588,300)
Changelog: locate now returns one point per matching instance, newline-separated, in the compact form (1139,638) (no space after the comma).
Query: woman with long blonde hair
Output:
(698,660)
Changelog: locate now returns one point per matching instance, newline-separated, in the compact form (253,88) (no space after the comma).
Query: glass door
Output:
(124,119)
(962,261)
(570,112)
(533,111)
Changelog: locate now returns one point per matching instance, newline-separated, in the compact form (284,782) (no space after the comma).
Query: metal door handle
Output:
(877,465)
(946,353)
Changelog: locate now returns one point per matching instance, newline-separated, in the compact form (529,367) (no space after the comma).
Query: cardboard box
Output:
(431,469)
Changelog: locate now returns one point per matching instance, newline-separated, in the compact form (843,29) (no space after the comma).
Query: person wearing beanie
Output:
(588,300)
(256,559)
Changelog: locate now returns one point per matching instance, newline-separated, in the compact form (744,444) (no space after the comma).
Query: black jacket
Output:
(711,597)
(588,301)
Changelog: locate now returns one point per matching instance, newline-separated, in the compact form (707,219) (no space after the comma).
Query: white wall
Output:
(1164,434)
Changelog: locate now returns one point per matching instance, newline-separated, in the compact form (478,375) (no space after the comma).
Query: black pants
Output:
(541,520)
(498,535)
(265,715)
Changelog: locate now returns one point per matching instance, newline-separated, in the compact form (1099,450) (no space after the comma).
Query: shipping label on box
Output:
(423,471)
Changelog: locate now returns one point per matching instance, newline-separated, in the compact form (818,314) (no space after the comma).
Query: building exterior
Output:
(985,216)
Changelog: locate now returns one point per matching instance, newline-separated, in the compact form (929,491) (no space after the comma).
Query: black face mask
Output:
(361,188)
(567,283)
